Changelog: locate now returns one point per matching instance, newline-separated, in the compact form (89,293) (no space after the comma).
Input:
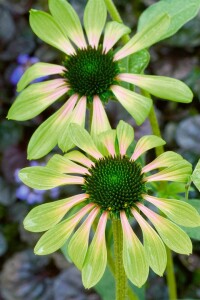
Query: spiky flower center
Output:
(91,72)
(115,184)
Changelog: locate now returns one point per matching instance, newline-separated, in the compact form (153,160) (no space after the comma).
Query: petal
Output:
(134,259)
(55,237)
(179,172)
(166,159)
(36,98)
(63,165)
(153,246)
(138,106)
(146,37)
(78,117)
(160,86)
(46,28)
(108,140)
(43,178)
(100,121)
(36,71)
(178,211)
(172,235)
(125,136)
(94,20)
(146,143)
(45,138)
(83,140)
(78,245)
(80,158)
(96,259)
(45,216)
(113,32)
(68,20)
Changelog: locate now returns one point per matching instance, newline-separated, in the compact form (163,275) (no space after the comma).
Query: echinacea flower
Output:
(91,73)
(114,185)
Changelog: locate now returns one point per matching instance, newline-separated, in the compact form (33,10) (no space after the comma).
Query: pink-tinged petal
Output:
(63,165)
(172,235)
(166,159)
(153,245)
(178,211)
(94,20)
(45,216)
(134,258)
(38,70)
(78,245)
(179,173)
(96,258)
(84,141)
(55,237)
(77,116)
(108,140)
(146,143)
(46,28)
(113,32)
(79,158)
(100,121)
(137,105)
(125,136)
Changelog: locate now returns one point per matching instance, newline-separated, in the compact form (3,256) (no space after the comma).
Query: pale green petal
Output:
(108,140)
(137,105)
(78,116)
(153,246)
(113,32)
(55,237)
(36,98)
(45,216)
(38,70)
(64,165)
(46,28)
(43,178)
(100,122)
(134,258)
(179,172)
(125,136)
(94,20)
(68,20)
(45,138)
(83,140)
(146,143)
(78,245)
(96,259)
(161,87)
(146,37)
(166,159)
(178,211)
(172,235)
(79,157)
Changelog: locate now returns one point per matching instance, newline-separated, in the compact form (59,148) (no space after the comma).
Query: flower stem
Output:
(120,276)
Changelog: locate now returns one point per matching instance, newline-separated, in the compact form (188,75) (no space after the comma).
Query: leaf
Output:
(180,12)
(196,176)
(105,287)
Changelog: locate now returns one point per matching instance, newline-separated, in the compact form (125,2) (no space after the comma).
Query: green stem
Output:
(120,276)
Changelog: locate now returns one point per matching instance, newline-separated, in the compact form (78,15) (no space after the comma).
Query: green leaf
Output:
(196,176)
(105,287)
(179,11)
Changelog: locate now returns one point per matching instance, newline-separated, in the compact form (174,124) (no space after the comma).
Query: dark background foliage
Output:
(22,274)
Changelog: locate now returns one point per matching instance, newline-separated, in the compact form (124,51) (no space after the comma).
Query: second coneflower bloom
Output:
(114,185)
(91,73)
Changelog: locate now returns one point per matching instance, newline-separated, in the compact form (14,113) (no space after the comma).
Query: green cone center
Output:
(115,184)
(90,72)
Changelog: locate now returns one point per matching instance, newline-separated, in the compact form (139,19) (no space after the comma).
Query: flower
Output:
(115,185)
(91,73)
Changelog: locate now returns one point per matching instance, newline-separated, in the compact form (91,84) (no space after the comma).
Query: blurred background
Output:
(24,276)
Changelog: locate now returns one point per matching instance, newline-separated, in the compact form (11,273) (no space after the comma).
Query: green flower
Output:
(90,74)
(114,185)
